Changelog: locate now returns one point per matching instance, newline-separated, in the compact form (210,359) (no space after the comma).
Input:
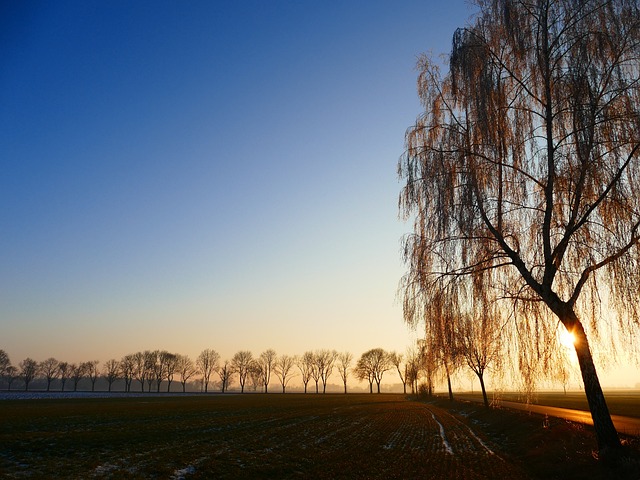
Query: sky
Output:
(204,174)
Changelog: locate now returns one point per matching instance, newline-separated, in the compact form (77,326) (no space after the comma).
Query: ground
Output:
(282,436)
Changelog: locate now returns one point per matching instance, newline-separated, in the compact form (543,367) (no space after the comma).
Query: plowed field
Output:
(243,436)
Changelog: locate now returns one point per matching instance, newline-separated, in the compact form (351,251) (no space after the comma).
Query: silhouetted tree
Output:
(305,364)
(315,370)
(372,365)
(255,375)
(77,372)
(412,369)
(282,368)
(480,339)
(523,172)
(428,364)
(64,370)
(11,375)
(150,360)
(207,363)
(186,369)
(364,371)
(139,371)
(325,361)
(5,363)
(127,370)
(111,371)
(91,369)
(344,364)
(28,371)
(241,364)
(50,369)
(169,363)
(225,372)
(442,335)
(158,369)
(266,362)
(396,360)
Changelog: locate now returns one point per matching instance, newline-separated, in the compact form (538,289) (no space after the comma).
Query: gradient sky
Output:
(190,175)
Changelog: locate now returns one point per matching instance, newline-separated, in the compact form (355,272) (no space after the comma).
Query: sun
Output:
(567,339)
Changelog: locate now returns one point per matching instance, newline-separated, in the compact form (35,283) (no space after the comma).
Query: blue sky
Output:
(190,175)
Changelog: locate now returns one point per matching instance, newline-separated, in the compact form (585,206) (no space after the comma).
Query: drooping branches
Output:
(523,171)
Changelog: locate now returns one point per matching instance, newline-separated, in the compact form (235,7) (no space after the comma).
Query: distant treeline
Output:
(163,371)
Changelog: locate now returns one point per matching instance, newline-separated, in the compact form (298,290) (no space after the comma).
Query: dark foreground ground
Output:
(293,436)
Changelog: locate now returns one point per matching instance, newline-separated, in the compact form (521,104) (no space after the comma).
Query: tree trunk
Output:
(484,391)
(449,385)
(606,433)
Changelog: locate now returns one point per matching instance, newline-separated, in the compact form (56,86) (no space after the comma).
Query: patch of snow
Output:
(447,447)
(104,469)
(180,474)
(491,452)
(391,444)
(473,434)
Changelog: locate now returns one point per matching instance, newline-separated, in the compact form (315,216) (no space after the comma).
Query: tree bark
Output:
(606,434)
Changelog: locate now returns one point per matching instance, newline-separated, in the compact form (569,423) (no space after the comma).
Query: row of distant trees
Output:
(157,370)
